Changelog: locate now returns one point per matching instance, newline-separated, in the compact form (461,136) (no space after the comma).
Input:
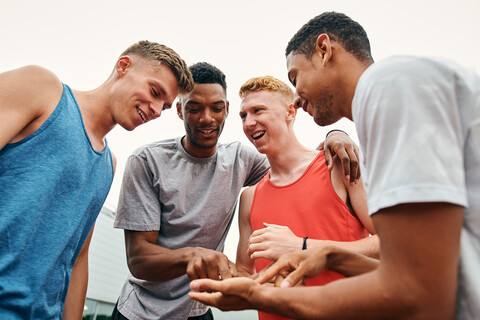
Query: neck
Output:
(349,80)
(289,161)
(96,114)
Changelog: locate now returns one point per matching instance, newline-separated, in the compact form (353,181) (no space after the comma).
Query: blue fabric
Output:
(52,187)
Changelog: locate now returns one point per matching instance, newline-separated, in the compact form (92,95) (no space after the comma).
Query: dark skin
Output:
(203,111)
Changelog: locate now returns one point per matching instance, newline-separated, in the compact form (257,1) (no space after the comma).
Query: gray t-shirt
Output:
(191,202)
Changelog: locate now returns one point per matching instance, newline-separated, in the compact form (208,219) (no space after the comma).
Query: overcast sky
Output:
(80,41)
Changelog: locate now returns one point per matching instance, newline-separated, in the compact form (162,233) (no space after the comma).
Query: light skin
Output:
(417,275)
(203,112)
(137,91)
(267,119)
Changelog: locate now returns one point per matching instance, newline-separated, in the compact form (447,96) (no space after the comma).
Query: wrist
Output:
(333,130)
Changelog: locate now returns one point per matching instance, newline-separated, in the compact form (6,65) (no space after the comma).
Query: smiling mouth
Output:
(207,131)
(258,135)
(142,115)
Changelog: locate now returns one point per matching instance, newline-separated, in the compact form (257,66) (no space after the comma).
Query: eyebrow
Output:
(160,87)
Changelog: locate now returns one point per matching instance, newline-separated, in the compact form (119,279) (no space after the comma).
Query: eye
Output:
(154,92)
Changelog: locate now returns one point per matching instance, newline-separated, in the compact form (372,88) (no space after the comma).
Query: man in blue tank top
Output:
(56,170)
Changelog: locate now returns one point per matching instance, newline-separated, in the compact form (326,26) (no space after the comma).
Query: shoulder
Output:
(247,193)
(32,87)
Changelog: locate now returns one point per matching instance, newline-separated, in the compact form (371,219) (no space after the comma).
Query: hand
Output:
(295,267)
(231,294)
(273,241)
(340,144)
(206,263)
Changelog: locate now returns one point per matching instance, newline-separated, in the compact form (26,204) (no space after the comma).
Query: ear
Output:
(179,110)
(122,65)
(227,108)
(323,48)
(291,112)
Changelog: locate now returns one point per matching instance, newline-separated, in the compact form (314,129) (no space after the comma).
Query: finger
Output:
(191,271)
(258,232)
(345,159)
(357,154)
(270,272)
(328,158)
(271,225)
(200,270)
(278,280)
(252,248)
(265,254)
(294,278)
(206,285)
(321,145)
(206,298)
(353,165)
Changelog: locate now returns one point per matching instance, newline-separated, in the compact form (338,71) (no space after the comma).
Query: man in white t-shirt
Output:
(418,121)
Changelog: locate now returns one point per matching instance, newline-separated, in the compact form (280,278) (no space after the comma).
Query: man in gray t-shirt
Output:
(176,205)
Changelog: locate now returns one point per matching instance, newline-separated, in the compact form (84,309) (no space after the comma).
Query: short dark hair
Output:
(340,28)
(204,72)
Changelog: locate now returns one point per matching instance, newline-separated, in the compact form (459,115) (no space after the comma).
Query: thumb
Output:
(292,279)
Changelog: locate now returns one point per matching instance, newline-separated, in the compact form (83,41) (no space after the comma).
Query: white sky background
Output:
(81,40)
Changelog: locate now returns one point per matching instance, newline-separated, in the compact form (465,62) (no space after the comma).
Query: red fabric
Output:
(310,207)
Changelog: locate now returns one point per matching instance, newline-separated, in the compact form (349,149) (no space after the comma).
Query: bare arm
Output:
(245,265)
(339,143)
(77,289)
(28,96)
(149,261)
(416,278)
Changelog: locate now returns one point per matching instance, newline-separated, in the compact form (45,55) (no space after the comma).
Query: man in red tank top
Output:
(300,198)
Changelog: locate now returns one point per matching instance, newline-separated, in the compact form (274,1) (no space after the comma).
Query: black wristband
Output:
(335,130)
(304,243)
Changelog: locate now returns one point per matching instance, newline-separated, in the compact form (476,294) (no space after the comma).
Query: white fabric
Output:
(418,122)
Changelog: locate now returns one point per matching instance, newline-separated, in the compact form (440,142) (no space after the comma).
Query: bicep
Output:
(358,200)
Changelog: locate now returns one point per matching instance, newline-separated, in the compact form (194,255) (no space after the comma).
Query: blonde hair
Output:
(163,54)
(267,83)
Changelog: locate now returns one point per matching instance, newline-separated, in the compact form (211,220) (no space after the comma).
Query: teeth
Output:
(258,134)
(207,131)
(144,118)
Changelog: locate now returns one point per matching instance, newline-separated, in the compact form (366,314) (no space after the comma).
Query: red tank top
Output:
(310,207)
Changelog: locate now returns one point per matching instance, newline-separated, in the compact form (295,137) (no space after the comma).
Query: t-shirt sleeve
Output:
(259,167)
(138,207)
(411,138)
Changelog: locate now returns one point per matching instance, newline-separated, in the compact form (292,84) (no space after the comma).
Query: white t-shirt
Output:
(418,122)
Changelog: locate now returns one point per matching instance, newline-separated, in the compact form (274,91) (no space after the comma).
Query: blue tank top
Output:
(52,187)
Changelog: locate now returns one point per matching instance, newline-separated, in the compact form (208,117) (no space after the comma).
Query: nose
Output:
(156,110)
(206,116)
(249,122)
(297,101)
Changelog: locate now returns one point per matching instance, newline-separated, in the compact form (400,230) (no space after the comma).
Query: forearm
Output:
(369,246)
(159,263)
(349,263)
(77,290)
(370,296)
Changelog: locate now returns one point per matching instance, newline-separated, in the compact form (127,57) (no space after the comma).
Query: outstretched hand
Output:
(338,143)
(273,241)
(295,267)
(230,294)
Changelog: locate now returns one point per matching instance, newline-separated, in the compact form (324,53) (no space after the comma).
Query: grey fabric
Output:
(191,202)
